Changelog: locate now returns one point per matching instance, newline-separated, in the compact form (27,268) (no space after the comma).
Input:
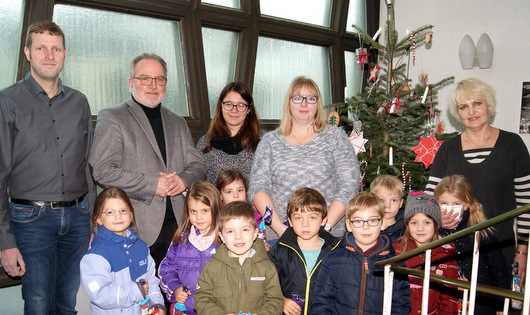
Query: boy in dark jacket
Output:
(390,189)
(299,252)
(348,282)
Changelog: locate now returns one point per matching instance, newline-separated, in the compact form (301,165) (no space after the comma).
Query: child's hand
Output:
(449,221)
(181,296)
(290,307)
(161,311)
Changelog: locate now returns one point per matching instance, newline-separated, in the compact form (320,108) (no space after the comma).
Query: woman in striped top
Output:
(495,162)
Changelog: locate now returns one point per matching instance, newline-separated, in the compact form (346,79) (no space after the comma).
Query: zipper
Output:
(364,272)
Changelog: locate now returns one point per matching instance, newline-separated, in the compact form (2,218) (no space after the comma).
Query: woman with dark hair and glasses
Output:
(234,133)
(304,152)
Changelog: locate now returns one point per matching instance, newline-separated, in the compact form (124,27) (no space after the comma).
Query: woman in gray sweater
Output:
(304,152)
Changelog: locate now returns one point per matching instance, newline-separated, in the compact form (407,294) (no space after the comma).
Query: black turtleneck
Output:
(155,119)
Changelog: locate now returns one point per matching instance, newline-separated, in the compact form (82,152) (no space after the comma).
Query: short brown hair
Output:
(306,199)
(364,200)
(387,182)
(41,27)
(237,210)
(108,193)
(227,177)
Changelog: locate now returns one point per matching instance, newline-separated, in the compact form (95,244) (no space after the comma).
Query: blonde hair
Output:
(460,188)
(387,182)
(475,89)
(286,124)
(365,200)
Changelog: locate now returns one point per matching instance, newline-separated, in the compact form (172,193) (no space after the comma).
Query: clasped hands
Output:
(170,184)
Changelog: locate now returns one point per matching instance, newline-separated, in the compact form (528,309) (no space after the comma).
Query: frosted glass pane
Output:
(316,12)
(277,63)
(356,15)
(97,61)
(236,4)
(220,57)
(353,74)
(11,26)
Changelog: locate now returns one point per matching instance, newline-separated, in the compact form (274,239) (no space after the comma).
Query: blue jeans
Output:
(52,243)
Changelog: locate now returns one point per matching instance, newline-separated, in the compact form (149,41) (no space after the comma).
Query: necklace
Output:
(304,139)
(485,142)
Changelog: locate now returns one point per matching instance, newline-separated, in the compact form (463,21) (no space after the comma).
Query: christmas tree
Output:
(390,117)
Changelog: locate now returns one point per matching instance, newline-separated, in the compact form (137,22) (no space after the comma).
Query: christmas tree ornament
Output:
(363,162)
(333,118)
(374,73)
(423,77)
(426,150)
(440,128)
(361,56)
(428,36)
(383,109)
(413,41)
(406,89)
(397,106)
(404,176)
(357,141)
(357,126)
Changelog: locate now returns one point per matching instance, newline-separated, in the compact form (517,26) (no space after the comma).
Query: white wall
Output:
(507,25)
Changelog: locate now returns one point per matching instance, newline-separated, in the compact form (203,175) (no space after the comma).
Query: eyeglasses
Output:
(112,212)
(241,107)
(297,99)
(360,223)
(144,80)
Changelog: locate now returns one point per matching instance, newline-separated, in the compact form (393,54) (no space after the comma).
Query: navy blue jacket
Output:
(287,256)
(395,231)
(348,282)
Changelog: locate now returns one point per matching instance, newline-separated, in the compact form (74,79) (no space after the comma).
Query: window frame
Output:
(193,15)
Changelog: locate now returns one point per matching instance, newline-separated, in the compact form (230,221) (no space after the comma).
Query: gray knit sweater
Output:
(218,161)
(327,163)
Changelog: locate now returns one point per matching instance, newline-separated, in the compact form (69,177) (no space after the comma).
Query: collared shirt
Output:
(44,145)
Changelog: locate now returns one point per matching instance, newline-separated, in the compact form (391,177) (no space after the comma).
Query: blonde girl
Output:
(422,220)
(194,243)
(117,272)
(455,194)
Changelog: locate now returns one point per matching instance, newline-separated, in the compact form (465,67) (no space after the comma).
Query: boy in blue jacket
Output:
(301,248)
(348,282)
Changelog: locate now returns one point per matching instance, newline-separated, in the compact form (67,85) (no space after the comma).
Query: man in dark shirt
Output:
(45,183)
(143,148)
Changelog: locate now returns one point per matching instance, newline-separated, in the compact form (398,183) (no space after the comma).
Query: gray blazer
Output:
(125,154)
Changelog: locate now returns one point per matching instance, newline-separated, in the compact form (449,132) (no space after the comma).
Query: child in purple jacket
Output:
(194,243)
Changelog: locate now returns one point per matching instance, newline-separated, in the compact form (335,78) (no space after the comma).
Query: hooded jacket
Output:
(289,260)
(182,266)
(225,286)
(442,299)
(110,272)
(349,283)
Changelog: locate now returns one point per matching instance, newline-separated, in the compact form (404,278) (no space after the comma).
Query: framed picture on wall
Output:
(524,126)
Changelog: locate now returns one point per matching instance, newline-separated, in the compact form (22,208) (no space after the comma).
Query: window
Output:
(97,61)
(11,25)
(226,3)
(277,63)
(353,74)
(220,57)
(316,12)
(356,15)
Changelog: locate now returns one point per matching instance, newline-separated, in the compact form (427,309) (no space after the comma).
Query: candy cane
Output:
(364,172)
(413,40)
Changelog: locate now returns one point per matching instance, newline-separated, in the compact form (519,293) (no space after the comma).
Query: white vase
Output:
(484,51)
(466,52)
